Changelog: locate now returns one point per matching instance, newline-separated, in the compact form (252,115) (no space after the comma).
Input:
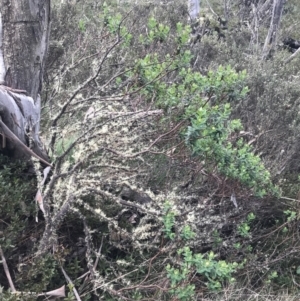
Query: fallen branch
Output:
(10,135)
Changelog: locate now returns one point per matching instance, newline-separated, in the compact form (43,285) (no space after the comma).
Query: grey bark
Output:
(24,35)
(194,9)
(270,41)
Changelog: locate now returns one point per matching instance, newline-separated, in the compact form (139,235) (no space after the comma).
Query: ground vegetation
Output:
(173,147)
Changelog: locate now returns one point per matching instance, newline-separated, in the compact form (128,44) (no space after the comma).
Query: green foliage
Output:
(244,228)
(217,239)
(16,201)
(81,25)
(187,233)
(18,228)
(237,245)
(211,132)
(183,33)
(214,271)
(156,31)
(272,275)
(146,63)
(178,278)
(39,275)
(169,221)
(291,215)
(113,22)
(204,101)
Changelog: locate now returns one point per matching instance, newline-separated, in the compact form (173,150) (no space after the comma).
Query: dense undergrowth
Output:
(176,173)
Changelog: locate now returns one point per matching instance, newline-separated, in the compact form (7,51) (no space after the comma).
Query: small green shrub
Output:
(214,272)
(204,102)
(244,228)
(169,221)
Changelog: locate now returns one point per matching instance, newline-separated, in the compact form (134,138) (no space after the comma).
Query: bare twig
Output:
(289,199)
(98,255)
(7,273)
(150,146)
(70,282)
(211,8)
(76,91)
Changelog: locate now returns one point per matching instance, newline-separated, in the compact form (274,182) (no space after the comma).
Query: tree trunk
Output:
(24,34)
(270,41)
(194,9)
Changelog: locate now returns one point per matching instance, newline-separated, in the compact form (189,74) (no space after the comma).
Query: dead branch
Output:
(6,270)
(292,56)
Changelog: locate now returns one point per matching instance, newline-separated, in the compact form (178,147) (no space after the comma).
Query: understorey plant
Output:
(112,109)
(190,265)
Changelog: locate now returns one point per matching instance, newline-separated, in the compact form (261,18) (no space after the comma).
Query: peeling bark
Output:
(24,34)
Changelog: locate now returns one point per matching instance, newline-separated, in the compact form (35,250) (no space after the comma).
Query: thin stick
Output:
(5,266)
(98,255)
(289,199)
(70,282)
